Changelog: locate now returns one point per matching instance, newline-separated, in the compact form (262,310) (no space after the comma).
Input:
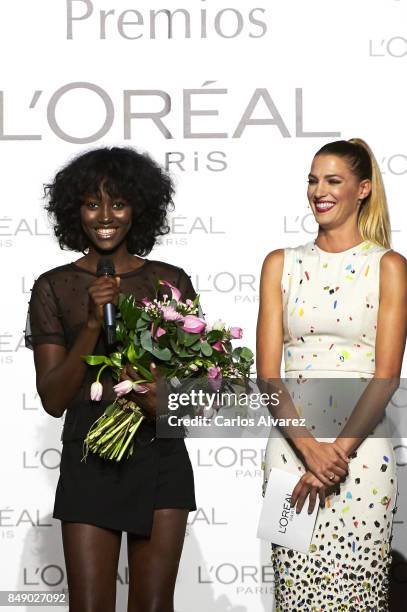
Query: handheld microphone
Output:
(105,267)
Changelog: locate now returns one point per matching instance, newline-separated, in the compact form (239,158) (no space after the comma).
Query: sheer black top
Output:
(57,310)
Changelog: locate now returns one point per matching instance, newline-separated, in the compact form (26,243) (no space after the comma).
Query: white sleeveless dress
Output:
(330,306)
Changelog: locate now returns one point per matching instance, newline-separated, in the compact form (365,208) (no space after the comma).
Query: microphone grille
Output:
(105,267)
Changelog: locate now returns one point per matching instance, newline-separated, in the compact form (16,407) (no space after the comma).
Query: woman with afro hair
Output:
(108,202)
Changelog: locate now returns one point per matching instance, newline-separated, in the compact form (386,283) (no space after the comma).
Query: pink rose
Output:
(218,346)
(236,332)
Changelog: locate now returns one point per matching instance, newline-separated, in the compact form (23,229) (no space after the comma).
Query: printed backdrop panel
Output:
(233,101)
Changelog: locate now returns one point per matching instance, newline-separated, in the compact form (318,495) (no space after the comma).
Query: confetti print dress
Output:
(330,311)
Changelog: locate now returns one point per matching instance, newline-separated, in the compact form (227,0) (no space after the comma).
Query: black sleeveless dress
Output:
(123,495)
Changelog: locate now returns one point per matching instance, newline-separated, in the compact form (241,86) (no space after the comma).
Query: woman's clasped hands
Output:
(327,465)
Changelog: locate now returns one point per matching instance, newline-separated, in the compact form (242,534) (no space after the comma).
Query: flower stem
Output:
(123,423)
(100,371)
(95,431)
(120,444)
(113,441)
(129,439)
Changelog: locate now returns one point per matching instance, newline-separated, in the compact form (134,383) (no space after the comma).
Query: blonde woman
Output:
(337,306)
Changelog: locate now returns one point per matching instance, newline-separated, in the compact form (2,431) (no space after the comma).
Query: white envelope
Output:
(279,523)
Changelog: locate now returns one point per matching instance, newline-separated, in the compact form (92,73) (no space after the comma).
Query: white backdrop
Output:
(235,101)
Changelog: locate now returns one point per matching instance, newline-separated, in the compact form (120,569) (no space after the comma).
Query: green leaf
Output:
(196,300)
(181,335)
(96,359)
(236,353)
(116,359)
(131,354)
(131,319)
(174,346)
(120,331)
(129,311)
(214,335)
(206,349)
(246,354)
(145,339)
(144,372)
(185,354)
(110,409)
(191,339)
(161,353)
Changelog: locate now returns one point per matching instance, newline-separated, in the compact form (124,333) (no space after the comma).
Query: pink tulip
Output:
(193,324)
(218,346)
(96,391)
(123,387)
(175,293)
(215,377)
(170,314)
(236,332)
(139,388)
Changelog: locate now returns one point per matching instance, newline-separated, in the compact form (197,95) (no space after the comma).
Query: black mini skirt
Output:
(123,495)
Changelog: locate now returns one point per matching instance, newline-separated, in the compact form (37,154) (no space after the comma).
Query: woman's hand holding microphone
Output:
(103,290)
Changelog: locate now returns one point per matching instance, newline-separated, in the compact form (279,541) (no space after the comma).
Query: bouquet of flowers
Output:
(170,333)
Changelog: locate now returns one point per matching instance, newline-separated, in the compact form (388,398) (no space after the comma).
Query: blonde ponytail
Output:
(373,219)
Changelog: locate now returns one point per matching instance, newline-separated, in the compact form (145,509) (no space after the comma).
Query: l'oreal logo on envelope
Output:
(287,514)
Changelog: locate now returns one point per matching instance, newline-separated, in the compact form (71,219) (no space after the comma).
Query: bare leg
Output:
(91,560)
(154,561)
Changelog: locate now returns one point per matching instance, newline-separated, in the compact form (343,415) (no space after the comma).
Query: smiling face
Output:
(334,190)
(105,220)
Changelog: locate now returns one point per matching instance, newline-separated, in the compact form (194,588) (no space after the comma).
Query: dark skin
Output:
(91,552)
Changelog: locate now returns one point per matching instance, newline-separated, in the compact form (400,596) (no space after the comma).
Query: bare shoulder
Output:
(272,270)
(393,276)
(274,262)
(393,265)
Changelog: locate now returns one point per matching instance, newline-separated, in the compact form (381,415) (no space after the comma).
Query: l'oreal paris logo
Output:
(286,514)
